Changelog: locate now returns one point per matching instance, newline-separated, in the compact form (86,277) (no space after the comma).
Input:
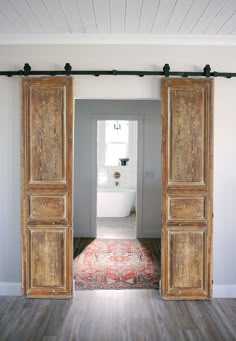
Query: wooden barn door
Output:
(46,163)
(187,146)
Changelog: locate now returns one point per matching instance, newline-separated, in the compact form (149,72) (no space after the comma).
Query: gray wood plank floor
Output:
(116,315)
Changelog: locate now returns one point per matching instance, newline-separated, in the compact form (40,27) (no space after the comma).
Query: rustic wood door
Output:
(187,162)
(46,163)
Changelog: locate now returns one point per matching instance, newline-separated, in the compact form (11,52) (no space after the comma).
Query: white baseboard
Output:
(219,291)
(224,291)
(10,288)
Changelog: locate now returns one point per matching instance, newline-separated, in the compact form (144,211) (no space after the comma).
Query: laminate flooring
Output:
(116,315)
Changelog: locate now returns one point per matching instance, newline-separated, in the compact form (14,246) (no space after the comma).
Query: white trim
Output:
(111,39)
(224,291)
(10,288)
(140,160)
(219,291)
(93,182)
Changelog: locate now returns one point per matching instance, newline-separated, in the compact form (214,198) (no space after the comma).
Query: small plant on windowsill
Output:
(123,161)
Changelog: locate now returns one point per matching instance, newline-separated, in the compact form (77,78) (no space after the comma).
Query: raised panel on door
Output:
(186,252)
(47,134)
(48,208)
(186,207)
(187,161)
(46,150)
(47,252)
(186,135)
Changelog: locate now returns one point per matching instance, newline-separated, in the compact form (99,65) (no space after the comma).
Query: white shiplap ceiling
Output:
(122,17)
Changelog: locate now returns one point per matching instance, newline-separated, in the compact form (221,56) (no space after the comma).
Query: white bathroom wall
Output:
(128,176)
(86,114)
(128,173)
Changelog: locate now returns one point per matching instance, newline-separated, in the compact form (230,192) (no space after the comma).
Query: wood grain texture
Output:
(46,161)
(115,315)
(48,208)
(186,208)
(47,135)
(186,134)
(187,172)
(191,257)
(47,250)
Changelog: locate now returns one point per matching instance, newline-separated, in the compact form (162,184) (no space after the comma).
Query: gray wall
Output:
(85,149)
(10,226)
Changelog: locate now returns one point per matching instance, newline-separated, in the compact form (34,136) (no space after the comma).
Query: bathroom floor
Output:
(117,228)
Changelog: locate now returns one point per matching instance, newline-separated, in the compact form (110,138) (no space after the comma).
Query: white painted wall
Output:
(146,57)
(128,176)
(86,114)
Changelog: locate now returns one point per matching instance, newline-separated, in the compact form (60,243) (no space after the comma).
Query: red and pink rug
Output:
(117,264)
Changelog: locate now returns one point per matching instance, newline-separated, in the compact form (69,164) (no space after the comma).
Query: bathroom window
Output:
(114,151)
(116,141)
(117,132)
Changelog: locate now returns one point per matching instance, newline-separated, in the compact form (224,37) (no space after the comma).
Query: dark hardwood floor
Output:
(116,315)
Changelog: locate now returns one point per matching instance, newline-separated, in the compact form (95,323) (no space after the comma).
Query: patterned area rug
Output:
(116,263)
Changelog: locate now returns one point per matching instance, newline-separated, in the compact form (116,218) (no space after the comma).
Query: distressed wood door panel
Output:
(186,250)
(186,207)
(187,160)
(48,208)
(46,151)
(47,134)
(186,133)
(47,257)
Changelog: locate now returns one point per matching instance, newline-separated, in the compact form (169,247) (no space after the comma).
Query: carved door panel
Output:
(46,160)
(187,161)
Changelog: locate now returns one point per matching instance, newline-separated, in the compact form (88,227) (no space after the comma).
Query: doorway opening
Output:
(116,179)
(117,244)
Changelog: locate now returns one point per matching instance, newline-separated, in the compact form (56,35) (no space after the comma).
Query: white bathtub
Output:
(114,202)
